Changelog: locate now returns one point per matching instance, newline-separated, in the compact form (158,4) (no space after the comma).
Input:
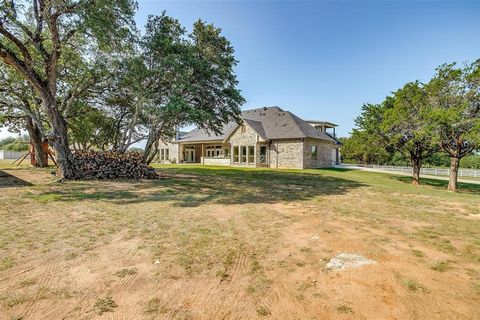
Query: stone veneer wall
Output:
(247,138)
(216,161)
(324,153)
(290,154)
(173,151)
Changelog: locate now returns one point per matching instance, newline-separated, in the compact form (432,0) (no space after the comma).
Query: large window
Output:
(164,154)
(235,154)
(226,153)
(243,154)
(263,154)
(314,152)
(214,151)
(251,154)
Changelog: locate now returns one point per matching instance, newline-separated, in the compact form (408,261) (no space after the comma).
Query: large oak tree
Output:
(455,94)
(33,37)
(407,125)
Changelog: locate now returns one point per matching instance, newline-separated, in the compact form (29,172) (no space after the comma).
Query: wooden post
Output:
(45,149)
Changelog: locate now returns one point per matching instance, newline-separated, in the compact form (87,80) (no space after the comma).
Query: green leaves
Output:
(455,97)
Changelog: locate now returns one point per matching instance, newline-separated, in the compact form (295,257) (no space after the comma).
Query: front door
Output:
(190,155)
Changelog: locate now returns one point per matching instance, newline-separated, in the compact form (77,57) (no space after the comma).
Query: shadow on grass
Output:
(8,181)
(339,169)
(194,187)
(441,184)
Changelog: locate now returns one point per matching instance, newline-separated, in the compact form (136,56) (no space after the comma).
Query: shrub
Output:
(470,162)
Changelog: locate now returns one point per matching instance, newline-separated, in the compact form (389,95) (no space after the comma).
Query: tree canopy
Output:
(98,83)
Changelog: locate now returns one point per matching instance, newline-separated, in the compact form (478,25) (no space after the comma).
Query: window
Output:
(251,154)
(243,128)
(263,154)
(164,154)
(235,154)
(314,152)
(226,153)
(243,154)
(214,151)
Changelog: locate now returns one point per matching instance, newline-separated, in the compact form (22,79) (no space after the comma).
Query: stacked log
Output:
(111,165)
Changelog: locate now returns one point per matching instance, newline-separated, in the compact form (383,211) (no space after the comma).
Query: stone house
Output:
(266,137)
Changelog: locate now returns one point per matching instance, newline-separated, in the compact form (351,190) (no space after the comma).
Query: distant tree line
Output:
(80,75)
(14,144)
(434,124)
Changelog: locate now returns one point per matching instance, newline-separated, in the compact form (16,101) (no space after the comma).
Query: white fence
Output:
(11,155)
(423,171)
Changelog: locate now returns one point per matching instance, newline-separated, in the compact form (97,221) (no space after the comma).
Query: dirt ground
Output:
(223,244)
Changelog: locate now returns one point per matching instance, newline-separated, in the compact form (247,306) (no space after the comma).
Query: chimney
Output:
(177,133)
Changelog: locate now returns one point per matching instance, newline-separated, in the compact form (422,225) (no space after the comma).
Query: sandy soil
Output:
(260,262)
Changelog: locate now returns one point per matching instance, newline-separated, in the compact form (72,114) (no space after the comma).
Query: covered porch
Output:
(212,153)
(225,154)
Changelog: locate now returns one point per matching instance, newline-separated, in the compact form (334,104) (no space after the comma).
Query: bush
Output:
(470,162)
(111,165)
(14,144)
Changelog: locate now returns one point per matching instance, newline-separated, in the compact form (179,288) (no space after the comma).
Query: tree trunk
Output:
(149,148)
(416,163)
(60,141)
(37,141)
(452,181)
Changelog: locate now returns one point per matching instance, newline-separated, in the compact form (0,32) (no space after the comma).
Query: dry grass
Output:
(236,243)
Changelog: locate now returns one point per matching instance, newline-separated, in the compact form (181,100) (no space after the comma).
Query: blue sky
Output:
(323,60)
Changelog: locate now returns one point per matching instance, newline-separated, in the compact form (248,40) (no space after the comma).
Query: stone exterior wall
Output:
(247,138)
(173,150)
(216,161)
(324,154)
(286,154)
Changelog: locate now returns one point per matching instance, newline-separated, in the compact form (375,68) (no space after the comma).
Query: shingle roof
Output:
(197,135)
(270,123)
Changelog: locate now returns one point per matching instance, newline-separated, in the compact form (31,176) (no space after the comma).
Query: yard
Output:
(224,243)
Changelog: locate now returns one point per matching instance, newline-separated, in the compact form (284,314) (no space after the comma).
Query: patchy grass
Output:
(414,286)
(263,311)
(418,253)
(126,272)
(103,305)
(441,266)
(6,263)
(216,242)
(14,300)
(344,308)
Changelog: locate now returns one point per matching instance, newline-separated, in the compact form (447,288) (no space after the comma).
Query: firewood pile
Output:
(111,165)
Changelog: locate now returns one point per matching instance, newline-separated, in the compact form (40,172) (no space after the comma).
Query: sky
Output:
(322,60)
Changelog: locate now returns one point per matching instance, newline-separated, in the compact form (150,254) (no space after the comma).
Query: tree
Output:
(20,109)
(455,94)
(368,143)
(33,36)
(91,128)
(407,125)
(189,79)
(14,144)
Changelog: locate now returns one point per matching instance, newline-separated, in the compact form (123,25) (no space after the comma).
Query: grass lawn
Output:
(227,243)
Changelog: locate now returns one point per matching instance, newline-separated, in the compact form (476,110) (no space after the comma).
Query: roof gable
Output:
(270,123)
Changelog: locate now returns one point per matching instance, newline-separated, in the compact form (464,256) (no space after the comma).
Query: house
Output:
(266,137)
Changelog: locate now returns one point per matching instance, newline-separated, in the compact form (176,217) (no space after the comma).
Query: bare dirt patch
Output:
(204,247)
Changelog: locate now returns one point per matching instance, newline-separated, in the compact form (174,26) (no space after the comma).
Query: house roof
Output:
(270,123)
(197,135)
